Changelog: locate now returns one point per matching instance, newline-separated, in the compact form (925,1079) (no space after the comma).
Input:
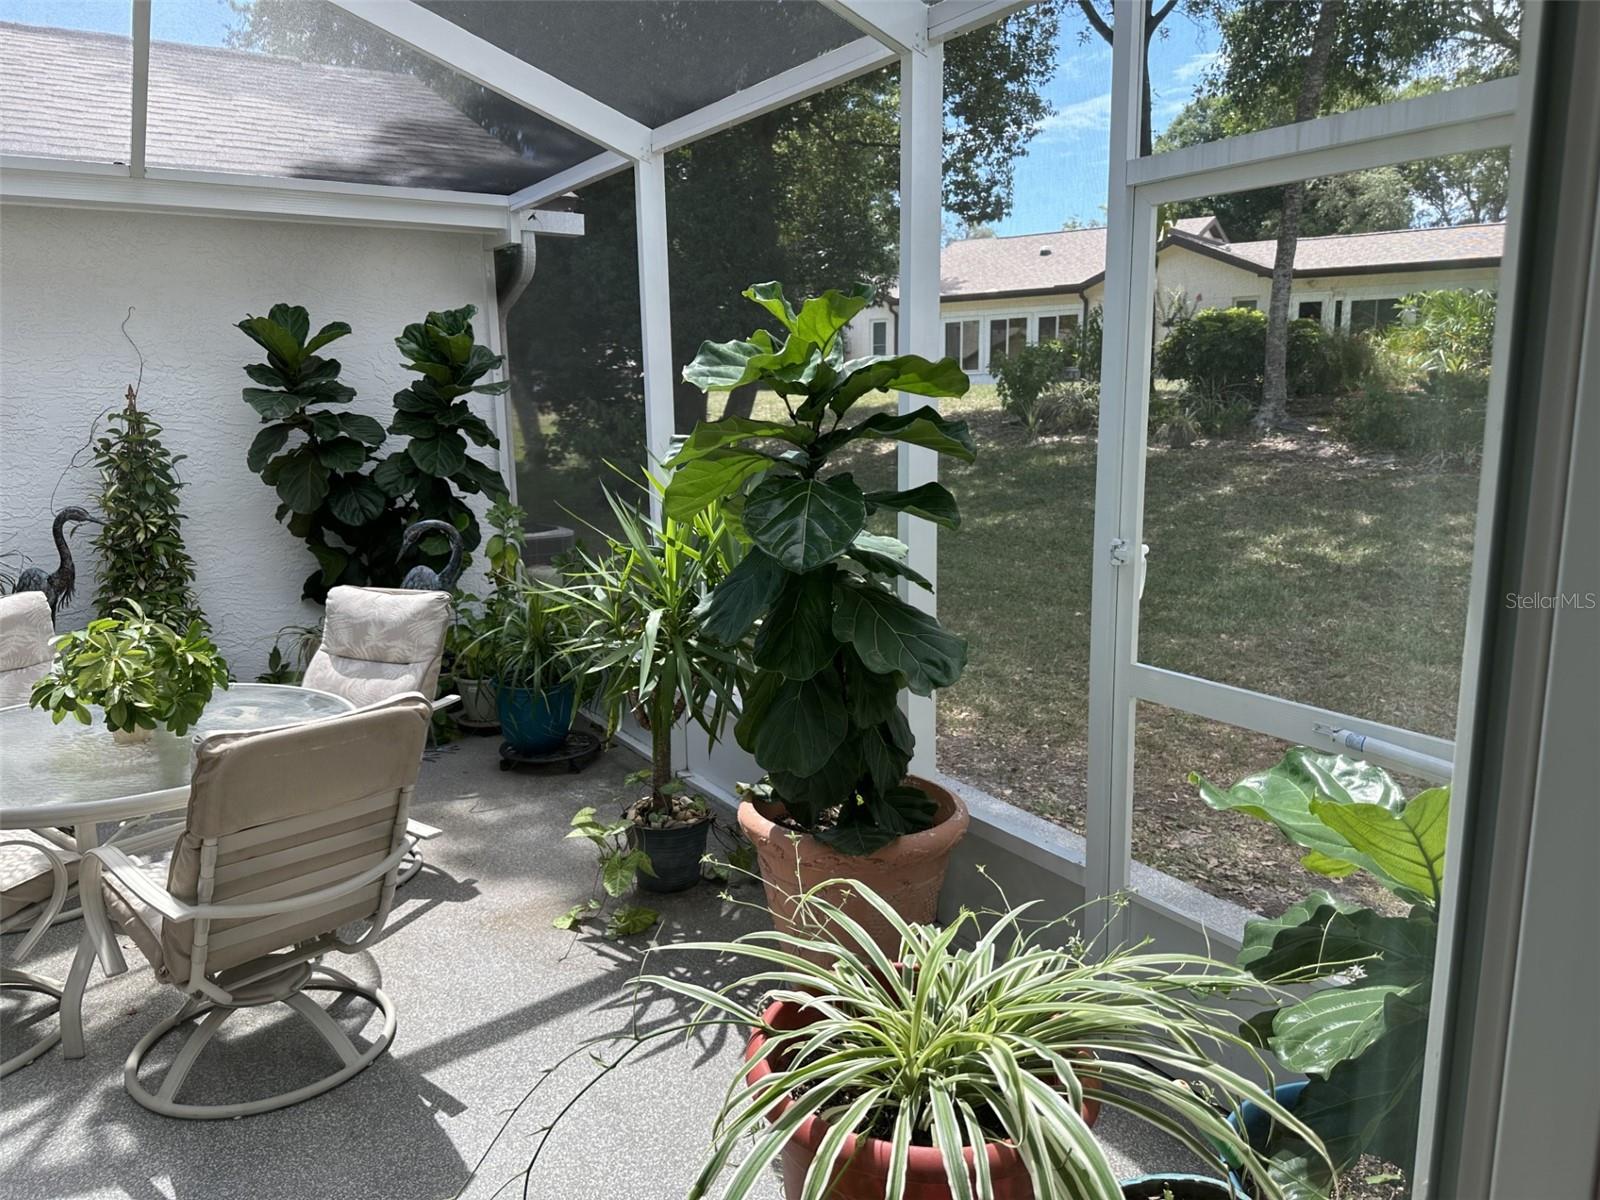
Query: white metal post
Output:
(1108,833)
(140,97)
(921,192)
(655,310)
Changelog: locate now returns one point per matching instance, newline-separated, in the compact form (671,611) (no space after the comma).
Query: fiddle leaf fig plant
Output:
(140,672)
(350,504)
(1360,1037)
(833,644)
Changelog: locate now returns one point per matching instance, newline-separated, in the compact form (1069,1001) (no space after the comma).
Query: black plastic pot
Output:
(675,855)
(1182,1187)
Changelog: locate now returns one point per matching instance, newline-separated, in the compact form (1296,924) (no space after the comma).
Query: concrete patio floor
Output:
(489,996)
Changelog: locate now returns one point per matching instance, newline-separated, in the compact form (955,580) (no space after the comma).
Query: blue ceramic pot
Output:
(534,720)
(1258,1124)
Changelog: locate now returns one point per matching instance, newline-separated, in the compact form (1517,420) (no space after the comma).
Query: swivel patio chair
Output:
(25,633)
(378,643)
(34,877)
(292,838)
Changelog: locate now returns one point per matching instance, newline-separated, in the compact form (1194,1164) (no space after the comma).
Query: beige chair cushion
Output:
(25,633)
(292,811)
(380,642)
(25,875)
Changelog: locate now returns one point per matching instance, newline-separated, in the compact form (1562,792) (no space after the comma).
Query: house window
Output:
(1246,302)
(1373,314)
(1057,328)
(1309,310)
(880,337)
(1007,335)
(961,343)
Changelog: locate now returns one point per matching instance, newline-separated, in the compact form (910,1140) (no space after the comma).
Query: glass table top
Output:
(50,766)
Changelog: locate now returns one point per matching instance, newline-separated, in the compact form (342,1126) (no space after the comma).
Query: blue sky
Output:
(1062,174)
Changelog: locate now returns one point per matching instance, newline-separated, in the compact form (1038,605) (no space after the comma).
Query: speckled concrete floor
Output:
(489,997)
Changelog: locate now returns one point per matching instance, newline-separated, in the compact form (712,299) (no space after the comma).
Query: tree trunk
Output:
(660,746)
(1274,408)
(741,401)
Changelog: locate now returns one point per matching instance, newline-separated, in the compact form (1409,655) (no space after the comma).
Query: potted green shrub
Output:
(535,694)
(971,1061)
(469,645)
(470,652)
(1360,1037)
(140,673)
(641,638)
(835,644)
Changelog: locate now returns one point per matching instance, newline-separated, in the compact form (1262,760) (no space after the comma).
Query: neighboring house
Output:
(999,294)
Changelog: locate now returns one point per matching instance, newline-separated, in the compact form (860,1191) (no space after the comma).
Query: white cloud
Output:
(1070,120)
(1189,71)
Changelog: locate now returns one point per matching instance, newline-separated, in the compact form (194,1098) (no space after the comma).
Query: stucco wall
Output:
(67,279)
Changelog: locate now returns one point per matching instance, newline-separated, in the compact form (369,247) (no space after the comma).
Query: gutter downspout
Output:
(513,264)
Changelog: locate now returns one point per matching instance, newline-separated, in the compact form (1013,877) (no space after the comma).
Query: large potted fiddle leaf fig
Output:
(1359,1037)
(832,643)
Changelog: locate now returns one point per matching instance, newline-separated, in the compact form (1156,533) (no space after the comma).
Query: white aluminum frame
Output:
(1481,117)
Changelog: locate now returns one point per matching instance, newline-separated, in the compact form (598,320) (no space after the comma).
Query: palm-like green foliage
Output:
(525,644)
(640,636)
(954,1047)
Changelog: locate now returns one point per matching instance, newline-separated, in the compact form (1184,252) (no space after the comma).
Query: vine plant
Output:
(140,543)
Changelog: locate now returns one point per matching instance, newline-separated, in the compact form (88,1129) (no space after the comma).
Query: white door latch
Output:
(1122,555)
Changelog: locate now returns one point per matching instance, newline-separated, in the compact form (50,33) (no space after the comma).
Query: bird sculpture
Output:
(59,584)
(425,579)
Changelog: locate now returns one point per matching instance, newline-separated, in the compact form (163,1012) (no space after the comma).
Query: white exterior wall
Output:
(67,278)
(1207,281)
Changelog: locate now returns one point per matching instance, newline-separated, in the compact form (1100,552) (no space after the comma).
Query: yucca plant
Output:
(995,1043)
(642,638)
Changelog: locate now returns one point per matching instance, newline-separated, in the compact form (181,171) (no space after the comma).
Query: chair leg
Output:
(27,981)
(409,867)
(353,1060)
(72,998)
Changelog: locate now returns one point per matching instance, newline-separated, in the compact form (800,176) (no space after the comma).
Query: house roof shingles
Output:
(1076,258)
(65,94)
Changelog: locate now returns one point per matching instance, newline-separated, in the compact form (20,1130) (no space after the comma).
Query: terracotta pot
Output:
(908,872)
(865,1170)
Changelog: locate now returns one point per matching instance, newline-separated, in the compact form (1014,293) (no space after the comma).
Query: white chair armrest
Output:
(56,859)
(169,906)
(444,702)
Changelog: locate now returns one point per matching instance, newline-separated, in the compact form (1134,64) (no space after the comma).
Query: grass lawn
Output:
(1285,565)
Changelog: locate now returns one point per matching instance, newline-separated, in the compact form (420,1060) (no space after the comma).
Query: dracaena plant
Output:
(834,644)
(641,639)
(1360,1037)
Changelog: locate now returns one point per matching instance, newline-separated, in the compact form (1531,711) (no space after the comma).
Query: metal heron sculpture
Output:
(57,586)
(426,579)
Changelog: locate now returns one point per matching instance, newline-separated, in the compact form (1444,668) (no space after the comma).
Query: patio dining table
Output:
(78,776)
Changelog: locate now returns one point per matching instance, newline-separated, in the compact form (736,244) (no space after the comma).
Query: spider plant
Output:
(528,640)
(990,1046)
(638,609)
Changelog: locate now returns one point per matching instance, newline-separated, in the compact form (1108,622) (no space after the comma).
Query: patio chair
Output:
(292,838)
(34,877)
(378,643)
(25,633)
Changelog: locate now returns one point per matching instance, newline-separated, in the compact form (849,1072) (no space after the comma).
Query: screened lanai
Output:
(1151,605)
